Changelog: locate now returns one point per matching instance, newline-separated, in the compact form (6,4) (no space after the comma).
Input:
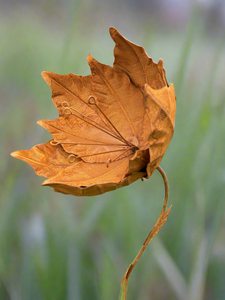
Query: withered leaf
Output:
(114,125)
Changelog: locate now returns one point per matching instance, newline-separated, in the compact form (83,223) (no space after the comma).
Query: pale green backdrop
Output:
(57,247)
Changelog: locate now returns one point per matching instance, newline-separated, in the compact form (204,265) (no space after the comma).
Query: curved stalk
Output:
(161,220)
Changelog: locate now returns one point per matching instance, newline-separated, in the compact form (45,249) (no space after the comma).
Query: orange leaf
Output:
(114,125)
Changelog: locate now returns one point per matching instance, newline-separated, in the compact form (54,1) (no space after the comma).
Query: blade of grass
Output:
(206,240)
(191,32)
(74,17)
(122,291)
(170,269)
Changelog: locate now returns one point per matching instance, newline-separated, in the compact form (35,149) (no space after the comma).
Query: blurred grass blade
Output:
(188,43)
(198,278)
(170,269)
(197,284)
(122,291)
(73,16)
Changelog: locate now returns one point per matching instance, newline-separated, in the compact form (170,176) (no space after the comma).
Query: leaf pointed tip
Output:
(44,183)
(112,30)
(18,154)
(160,63)
(89,58)
(91,61)
(44,73)
(46,76)
(41,123)
(14,154)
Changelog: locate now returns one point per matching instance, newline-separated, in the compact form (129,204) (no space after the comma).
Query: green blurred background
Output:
(58,247)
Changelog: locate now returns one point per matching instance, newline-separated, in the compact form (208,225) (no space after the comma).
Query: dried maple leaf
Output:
(114,125)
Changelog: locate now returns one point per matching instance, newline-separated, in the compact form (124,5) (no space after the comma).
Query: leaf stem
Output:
(161,220)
